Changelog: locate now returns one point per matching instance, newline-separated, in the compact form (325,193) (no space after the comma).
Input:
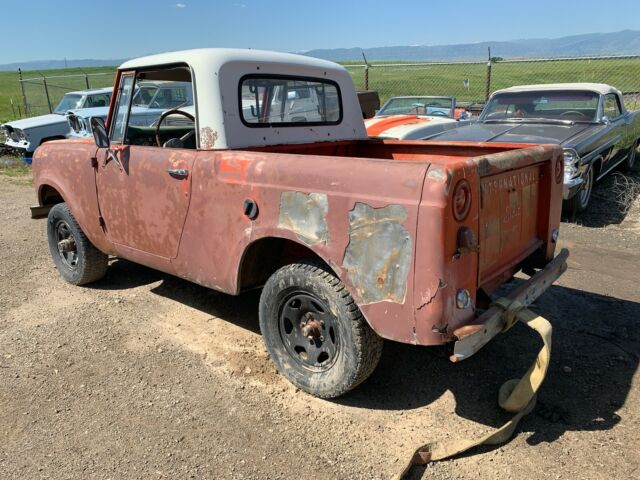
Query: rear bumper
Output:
(472,337)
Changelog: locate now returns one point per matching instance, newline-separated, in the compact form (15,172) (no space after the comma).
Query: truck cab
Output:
(270,181)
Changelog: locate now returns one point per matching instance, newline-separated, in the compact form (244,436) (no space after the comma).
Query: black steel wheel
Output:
(314,333)
(75,257)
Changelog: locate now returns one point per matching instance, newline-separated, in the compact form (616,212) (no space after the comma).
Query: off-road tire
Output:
(359,347)
(90,264)
(578,203)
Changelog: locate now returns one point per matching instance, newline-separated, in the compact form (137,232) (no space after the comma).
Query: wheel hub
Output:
(309,331)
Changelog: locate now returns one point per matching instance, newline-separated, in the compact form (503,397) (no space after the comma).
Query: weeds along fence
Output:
(469,82)
(472,82)
(40,95)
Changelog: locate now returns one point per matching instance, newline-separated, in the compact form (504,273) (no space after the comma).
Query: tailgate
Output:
(520,190)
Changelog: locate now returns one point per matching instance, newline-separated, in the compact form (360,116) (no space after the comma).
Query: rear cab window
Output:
(275,100)
(611,106)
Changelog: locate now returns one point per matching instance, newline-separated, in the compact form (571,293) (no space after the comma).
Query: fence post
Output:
(488,89)
(24,95)
(366,72)
(46,92)
(86,80)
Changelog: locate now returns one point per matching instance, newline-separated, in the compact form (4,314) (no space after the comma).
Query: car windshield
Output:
(438,106)
(553,105)
(70,101)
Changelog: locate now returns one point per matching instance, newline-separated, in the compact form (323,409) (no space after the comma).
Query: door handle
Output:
(178,172)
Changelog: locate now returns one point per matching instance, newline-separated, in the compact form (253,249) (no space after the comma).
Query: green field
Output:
(10,88)
(388,80)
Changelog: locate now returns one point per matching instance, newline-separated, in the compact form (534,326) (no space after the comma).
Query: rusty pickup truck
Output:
(268,180)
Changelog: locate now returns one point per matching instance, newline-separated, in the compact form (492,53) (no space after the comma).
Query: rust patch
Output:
(378,256)
(207,138)
(305,215)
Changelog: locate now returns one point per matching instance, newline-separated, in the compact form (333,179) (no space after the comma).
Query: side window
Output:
(101,100)
(154,109)
(611,106)
(122,109)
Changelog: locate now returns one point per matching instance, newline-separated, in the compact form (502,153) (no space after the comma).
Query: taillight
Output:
(461,200)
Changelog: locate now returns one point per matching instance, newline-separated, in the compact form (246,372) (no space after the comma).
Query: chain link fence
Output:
(472,82)
(40,95)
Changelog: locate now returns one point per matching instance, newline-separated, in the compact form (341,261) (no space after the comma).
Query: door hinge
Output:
(94,162)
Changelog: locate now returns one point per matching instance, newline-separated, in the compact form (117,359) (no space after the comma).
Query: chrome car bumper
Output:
(571,187)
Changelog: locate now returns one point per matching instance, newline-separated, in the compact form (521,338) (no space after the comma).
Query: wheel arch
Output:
(264,256)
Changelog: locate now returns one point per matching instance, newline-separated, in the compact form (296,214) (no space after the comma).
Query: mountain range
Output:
(626,42)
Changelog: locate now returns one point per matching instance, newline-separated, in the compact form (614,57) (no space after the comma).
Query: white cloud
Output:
(181,5)
(240,5)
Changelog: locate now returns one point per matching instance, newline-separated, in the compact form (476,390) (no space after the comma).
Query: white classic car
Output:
(150,99)
(413,118)
(29,133)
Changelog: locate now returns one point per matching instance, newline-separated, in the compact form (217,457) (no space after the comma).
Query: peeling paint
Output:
(208,138)
(378,256)
(305,215)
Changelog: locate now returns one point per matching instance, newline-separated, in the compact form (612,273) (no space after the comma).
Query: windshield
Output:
(438,106)
(554,105)
(69,102)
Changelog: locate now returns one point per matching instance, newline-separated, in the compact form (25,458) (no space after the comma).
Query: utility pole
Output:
(366,72)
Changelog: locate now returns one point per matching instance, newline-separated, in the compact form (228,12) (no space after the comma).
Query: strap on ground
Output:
(517,395)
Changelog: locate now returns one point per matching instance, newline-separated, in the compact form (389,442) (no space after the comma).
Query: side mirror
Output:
(99,131)
(605,120)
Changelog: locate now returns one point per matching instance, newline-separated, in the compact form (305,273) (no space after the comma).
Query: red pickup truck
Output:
(269,180)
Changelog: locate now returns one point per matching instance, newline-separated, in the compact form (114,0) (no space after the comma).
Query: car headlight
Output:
(571,161)
(21,135)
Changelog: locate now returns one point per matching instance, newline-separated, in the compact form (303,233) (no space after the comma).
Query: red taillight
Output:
(461,200)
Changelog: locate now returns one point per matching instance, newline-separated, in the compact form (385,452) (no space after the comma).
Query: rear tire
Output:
(580,201)
(314,332)
(75,257)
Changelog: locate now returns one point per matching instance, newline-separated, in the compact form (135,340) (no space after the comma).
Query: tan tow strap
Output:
(517,395)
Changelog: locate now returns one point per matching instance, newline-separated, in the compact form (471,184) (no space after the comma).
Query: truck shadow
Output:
(595,354)
(611,199)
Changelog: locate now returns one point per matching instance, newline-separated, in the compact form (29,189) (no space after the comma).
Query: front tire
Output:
(314,332)
(75,257)
(630,161)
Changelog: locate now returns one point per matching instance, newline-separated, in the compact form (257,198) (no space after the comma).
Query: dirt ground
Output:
(143,375)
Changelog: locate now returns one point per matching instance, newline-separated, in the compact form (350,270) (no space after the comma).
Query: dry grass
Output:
(625,190)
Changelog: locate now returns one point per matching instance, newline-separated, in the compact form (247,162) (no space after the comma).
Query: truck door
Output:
(143,189)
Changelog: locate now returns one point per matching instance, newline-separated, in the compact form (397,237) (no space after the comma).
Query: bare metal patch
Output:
(207,138)
(379,252)
(305,215)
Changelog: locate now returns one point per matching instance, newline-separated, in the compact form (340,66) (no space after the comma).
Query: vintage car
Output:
(149,102)
(351,239)
(413,118)
(27,134)
(589,120)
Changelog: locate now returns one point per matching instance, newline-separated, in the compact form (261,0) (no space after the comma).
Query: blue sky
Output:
(114,29)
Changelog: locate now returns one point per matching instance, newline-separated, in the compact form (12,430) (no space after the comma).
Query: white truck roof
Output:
(217,73)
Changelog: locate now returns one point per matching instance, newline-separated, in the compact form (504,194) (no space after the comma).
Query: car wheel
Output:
(580,201)
(629,163)
(315,334)
(75,257)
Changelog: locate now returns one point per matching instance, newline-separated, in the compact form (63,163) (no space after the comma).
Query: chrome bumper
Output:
(571,187)
(471,338)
